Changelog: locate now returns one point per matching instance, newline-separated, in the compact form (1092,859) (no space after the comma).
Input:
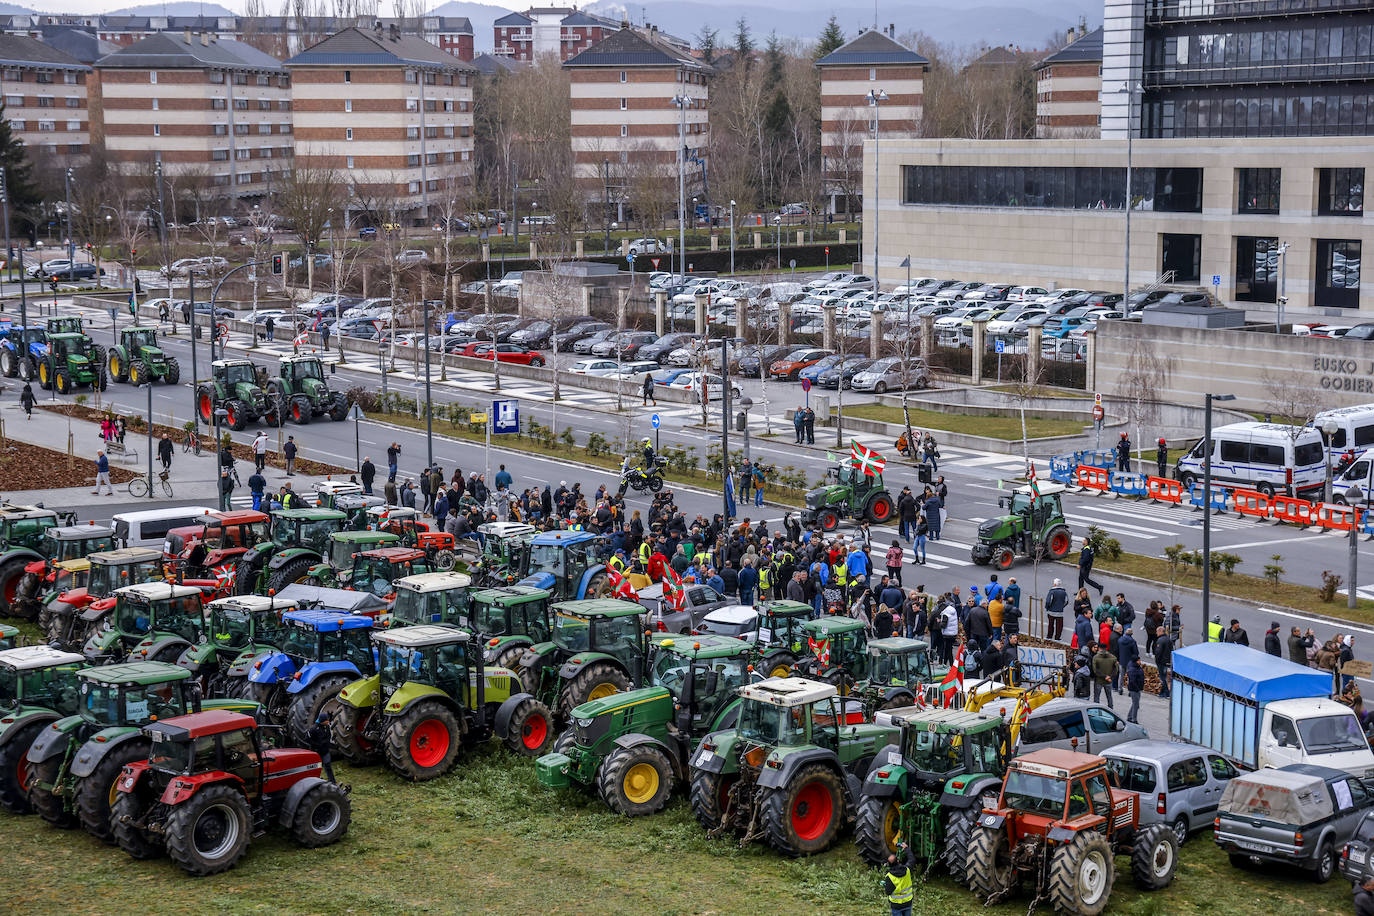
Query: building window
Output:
(624,104)
(219,130)
(215,76)
(14,101)
(1257,269)
(412,133)
(218,104)
(264,128)
(622,76)
(1170,190)
(410,76)
(1340,192)
(466,155)
(1183,255)
(624,130)
(240,104)
(872,74)
(265,153)
(152,76)
(155,104)
(1258,191)
(242,153)
(413,160)
(157,129)
(284,128)
(73,102)
(348,161)
(348,76)
(219,155)
(284,105)
(240,79)
(348,104)
(264,105)
(264,79)
(412,105)
(1338,273)
(348,133)
(241,130)
(16,125)
(45,101)
(70,79)
(73,125)
(14,76)
(414,187)
(42,76)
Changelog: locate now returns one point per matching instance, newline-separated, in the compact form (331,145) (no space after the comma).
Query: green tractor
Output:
(151,621)
(439,598)
(336,570)
(238,631)
(1034,527)
(302,393)
(234,385)
(431,697)
(511,619)
(503,545)
(300,541)
(927,791)
(75,614)
(23,541)
(75,762)
(137,358)
(37,687)
(790,770)
(884,673)
(848,493)
(66,324)
(633,747)
(72,360)
(65,547)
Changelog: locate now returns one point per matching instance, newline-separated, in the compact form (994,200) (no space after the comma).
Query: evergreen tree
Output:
(18,171)
(744,43)
(832,38)
(706,41)
(773,59)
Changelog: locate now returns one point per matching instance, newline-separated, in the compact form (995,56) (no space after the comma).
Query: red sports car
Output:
(506,353)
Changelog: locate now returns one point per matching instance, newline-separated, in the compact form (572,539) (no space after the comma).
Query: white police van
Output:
(1356,483)
(1269,457)
(1354,428)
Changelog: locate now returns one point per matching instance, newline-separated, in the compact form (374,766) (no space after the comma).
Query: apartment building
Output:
(560,31)
(393,113)
(876,64)
(625,123)
(199,105)
(46,102)
(1068,89)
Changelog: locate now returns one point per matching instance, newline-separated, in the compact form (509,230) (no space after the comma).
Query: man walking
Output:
(1056,599)
(257,484)
(289,450)
(271,327)
(1085,567)
(648,391)
(1105,670)
(102,474)
(164,452)
(1135,684)
(367,473)
(260,451)
(1164,659)
(393,455)
(324,336)
(907,512)
(1123,454)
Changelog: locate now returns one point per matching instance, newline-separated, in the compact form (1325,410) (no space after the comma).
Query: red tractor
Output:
(226,536)
(209,785)
(1058,827)
(440,547)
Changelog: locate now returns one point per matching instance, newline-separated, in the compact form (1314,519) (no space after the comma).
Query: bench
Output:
(116,449)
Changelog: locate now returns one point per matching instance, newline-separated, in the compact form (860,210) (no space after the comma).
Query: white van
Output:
(1268,457)
(149,527)
(1359,476)
(1354,428)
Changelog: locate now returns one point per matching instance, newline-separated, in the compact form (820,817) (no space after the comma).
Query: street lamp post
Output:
(777,238)
(1283,288)
(606,180)
(1207,510)
(1353,495)
(874,97)
(149,386)
(1328,428)
(429,408)
(732,238)
(1131,92)
(681,101)
(71,241)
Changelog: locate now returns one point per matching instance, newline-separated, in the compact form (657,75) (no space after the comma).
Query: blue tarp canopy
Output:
(1248,673)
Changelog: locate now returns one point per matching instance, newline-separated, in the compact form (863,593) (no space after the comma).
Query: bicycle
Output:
(192,442)
(139,487)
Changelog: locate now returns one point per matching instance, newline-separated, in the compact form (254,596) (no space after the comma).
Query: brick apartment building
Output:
(46,102)
(561,31)
(198,105)
(1068,89)
(393,113)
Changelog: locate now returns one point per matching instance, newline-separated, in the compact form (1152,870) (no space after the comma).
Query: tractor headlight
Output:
(584,723)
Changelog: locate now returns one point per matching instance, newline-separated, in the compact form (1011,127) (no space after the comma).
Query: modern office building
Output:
(1068,89)
(46,102)
(1252,131)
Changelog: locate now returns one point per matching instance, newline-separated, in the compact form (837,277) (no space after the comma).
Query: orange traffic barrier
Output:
(1164,490)
(1091,478)
(1252,503)
(1291,510)
(1334,517)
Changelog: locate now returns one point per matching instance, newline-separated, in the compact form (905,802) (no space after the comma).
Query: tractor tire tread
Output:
(704,799)
(525,712)
(1063,874)
(47,805)
(139,844)
(958,829)
(981,860)
(93,791)
(304,832)
(868,829)
(1142,857)
(13,798)
(180,823)
(777,808)
(610,779)
(397,741)
(343,734)
(305,706)
(578,690)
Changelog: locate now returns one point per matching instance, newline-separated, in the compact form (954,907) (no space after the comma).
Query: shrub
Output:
(1103,544)
(597,445)
(1226,562)
(567,438)
(367,399)
(1273,571)
(1330,582)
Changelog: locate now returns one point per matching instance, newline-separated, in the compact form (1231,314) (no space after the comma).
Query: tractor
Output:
(37,687)
(502,545)
(927,791)
(789,770)
(74,615)
(838,652)
(137,359)
(633,747)
(66,542)
(848,493)
(377,571)
(210,783)
(1035,527)
(510,619)
(1058,826)
(431,697)
(337,566)
(321,652)
(151,621)
(571,564)
(301,392)
(234,385)
(300,540)
(779,640)
(23,540)
(440,547)
(440,598)
(65,324)
(22,351)
(72,360)
(238,630)
(75,762)
(226,537)
(899,673)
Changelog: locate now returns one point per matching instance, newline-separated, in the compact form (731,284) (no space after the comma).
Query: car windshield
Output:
(1133,775)
(173,756)
(571,633)
(132,615)
(301,641)
(774,726)
(1332,734)
(934,752)
(1032,792)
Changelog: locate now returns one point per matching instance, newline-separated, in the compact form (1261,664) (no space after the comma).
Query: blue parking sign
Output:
(1216,279)
(505,417)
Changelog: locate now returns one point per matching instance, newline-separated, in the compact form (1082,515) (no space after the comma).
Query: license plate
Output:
(1253,847)
(1357,857)
(894,758)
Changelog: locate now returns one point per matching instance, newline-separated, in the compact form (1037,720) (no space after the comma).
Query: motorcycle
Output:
(634,477)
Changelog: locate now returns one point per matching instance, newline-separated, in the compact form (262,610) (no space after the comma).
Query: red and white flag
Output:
(673,593)
(953,683)
(620,584)
(820,649)
(866,460)
(302,337)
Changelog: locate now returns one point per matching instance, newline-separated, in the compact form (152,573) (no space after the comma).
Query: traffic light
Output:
(276,263)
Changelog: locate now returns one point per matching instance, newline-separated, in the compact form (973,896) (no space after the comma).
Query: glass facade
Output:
(1258,190)
(1172,190)
(1338,273)
(1183,255)
(1257,269)
(1340,192)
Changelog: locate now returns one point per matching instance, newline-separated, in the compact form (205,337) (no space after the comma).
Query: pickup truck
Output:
(1262,711)
(1300,814)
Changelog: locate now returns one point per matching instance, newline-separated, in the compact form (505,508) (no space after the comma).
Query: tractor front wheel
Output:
(1003,557)
(300,410)
(876,828)
(1154,857)
(297,570)
(338,409)
(636,780)
(422,743)
(11,574)
(62,380)
(828,519)
(988,863)
(96,793)
(599,586)
(27,370)
(9,365)
(14,770)
(138,372)
(347,732)
(306,706)
(779,664)
(209,832)
(1081,875)
(205,404)
(173,375)
(50,807)
(803,817)
(880,509)
(137,842)
(709,795)
(322,817)
(119,370)
(1058,542)
(530,729)
(44,375)
(237,414)
(597,680)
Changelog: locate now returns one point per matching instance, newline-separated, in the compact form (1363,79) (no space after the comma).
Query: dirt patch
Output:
(24,466)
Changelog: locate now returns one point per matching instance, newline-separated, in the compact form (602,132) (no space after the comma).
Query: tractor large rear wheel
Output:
(297,570)
(9,363)
(598,586)
(509,657)
(209,832)
(173,374)
(306,706)
(708,797)
(1058,542)
(635,781)
(959,824)
(530,729)
(246,577)
(595,681)
(137,842)
(50,807)
(27,368)
(803,817)
(422,743)
(119,369)
(1155,857)
(205,404)
(1081,875)
(880,509)
(348,730)
(779,664)
(876,828)
(322,817)
(988,863)
(14,770)
(338,408)
(96,794)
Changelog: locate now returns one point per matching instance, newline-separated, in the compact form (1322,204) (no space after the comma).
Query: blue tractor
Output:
(571,564)
(321,653)
(22,350)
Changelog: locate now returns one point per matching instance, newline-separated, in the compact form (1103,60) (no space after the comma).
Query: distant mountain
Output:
(10,9)
(176,8)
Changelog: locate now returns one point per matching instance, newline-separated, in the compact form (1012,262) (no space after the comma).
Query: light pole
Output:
(1207,510)
(71,243)
(874,97)
(732,238)
(149,386)
(777,238)
(1351,495)
(681,101)
(1283,288)
(1131,92)
(1328,427)
(606,180)
(429,409)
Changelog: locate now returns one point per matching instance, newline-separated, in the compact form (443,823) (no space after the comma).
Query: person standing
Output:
(504,480)
(320,743)
(1162,458)
(647,391)
(897,885)
(1127,649)
(949,629)
(260,451)
(324,336)
(1105,669)
(894,563)
(748,581)
(164,452)
(27,400)
(1298,644)
(367,473)
(1086,557)
(289,450)
(1164,659)
(393,455)
(1135,684)
(1236,634)
(907,512)
(102,474)
(1271,640)
(934,515)
(271,327)
(1123,453)
(1056,599)
(257,484)
(745,476)
(810,426)
(226,489)
(799,422)
(918,549)
(978,627)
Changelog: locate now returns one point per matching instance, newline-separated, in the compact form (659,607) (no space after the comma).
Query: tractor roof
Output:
(226,363)
(424,583)
(125,555)
(788,691)
(551,538)
(21,513)
(705,646)
(946,720)
(733,613)
(1056,762)
(132,673)
(336,487)
(365,537)
(331,600)
(415,637)
(240,517)
(327,621)
(80,532)
(252,604)
(66,336)
(511,594)
(27,658)
(200,725)
(309,514)
(599,607)
(299,358)
(395,554)
(505,529)
(830,626)
(1046,489)
(786,608)
(158,591)
(79,565)
(895,645)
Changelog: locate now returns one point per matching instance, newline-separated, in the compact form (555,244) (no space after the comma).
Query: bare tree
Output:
(1025,386)
(307,199)
(1145,374)
(1292,400)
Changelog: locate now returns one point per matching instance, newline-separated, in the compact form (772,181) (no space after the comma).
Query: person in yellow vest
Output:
(618,561)
(765,580)
(1214,629)
(897,886)
(644,554)
(839,574)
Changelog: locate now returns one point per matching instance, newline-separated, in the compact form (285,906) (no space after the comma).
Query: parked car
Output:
(663,347)
(812,371)
(585,344)
(412,256)
(825,279)
(45,269)
(1357,855)
(182,267)
(1359,332)
(597,366)
(754,361)
(957,291)
(1059,295)
(320,259)
(78,271)
(715,384)
(701,600)
(638,247)
(844,372)
(1178,784)
(636,368)
(1077,725)
(570,333)
(791,365)
(886,375)
(626,344)
(506,330)
(504,353)
(367,233)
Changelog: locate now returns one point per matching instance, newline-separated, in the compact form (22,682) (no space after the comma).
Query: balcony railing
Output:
(1325,70)
(1158,12)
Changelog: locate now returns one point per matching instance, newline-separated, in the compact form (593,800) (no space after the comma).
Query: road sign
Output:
(655,261)
(806,384)
(654,421)
(1216,279)
(1001,345)
(792,263)
(1097,399)
(507,417)
(1098,413)
(222,331)
(356,413)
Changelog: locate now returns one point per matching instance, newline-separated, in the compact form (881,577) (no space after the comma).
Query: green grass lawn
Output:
(993,427)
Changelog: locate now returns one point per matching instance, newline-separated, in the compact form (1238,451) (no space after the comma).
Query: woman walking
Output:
(26,400)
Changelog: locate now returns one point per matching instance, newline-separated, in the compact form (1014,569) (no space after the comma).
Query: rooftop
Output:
(704,646)
(199,724)
(629,48)
(27,658)
(378,48)
(413,637)
(165,51)
(156,591)
(254,603)
(598,607)
(22,51)
(870,49)
(327,621)
(787,691)
(136,673)
(433,582)
(1087,49)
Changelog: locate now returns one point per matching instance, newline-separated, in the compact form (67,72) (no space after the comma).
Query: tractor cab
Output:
(344,548)
(113,569)
(570,564)
(234,372)
(605,625)
(940,743)
(242,622)
(377,570)
(703,674)
(790,712)
(70,349)
(399,520)
(89,597)
(27,527)
(135,693)
(69,324)
(898,662)
(838,651)
(323,636)
(34,340)
(426,656)
(309,528)
(502,546)
(327,492)
(298,369)
(39,676)
(145,610)
(138,339)
(511,619)
(440,598)
(75,542)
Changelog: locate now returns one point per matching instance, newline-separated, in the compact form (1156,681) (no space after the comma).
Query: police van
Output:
(1269,457)
(1356,483)
(1354,428)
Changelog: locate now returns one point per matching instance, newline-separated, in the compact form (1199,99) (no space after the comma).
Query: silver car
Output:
(1178,784)
(1077,725)
(886,375)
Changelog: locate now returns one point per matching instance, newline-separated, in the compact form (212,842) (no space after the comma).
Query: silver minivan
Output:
(1178,784)
(1077,725)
